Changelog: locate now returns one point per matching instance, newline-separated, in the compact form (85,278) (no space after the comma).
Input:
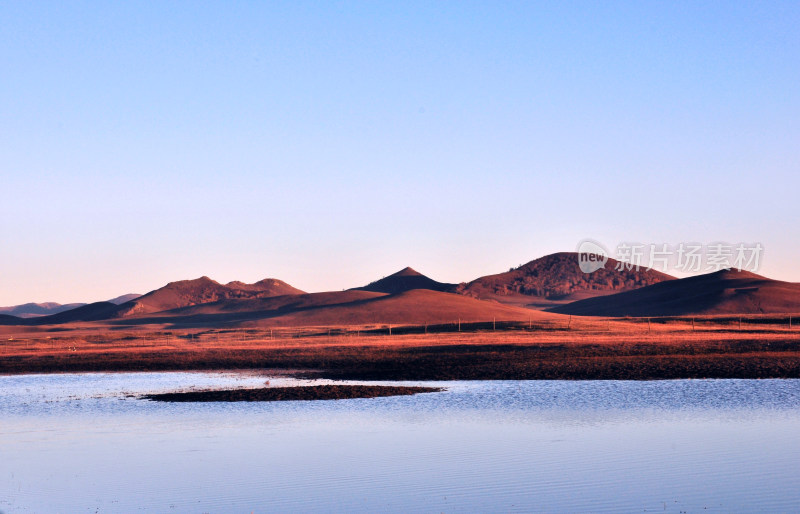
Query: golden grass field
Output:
(564,347)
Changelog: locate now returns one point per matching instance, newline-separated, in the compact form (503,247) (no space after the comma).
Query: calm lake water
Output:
(84,443)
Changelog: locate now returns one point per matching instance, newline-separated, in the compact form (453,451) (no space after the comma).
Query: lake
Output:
(85,443)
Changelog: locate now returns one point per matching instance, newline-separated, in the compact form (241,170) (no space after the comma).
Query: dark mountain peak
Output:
(407,272)
(405,280)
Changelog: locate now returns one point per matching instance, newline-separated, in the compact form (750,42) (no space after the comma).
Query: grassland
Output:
(569,348)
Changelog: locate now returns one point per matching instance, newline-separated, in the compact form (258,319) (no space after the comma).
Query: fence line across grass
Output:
(178,338)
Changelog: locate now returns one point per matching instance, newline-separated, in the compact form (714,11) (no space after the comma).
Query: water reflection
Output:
(83,442)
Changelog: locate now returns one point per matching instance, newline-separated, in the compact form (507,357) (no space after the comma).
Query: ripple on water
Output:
(84,441)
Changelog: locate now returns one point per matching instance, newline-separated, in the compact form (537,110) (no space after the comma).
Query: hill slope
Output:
(119,300)
(557,277)
(227,311)
(352,307)
(722,292)
(417,306)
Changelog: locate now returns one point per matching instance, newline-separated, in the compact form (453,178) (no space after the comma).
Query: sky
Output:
(329,144)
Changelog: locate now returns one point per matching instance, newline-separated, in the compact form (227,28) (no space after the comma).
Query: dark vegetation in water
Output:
(277,394)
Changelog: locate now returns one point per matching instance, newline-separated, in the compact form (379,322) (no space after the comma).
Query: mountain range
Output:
(30,310)
(546,287)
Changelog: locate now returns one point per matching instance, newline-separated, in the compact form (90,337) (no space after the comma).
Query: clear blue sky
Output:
(331,143)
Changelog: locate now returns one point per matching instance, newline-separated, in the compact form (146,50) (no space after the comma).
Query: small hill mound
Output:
(265,288)
(558,277)
(202,290)
(405,280)
(722,292)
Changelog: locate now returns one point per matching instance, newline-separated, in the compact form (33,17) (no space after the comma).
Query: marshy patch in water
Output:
(277,394)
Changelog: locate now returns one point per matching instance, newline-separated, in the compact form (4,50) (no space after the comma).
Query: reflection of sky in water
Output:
(78,442)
